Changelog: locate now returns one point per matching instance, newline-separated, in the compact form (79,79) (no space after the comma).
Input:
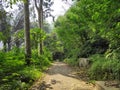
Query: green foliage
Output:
(15,75)
(30,73)
(19,34)
(43,61)
(2,56)
(71,61)
(47,54)
(84,22)
(5,27)
(1,36)
(113,53)
(52,43)
(92,27)
(36,35)
(105,69)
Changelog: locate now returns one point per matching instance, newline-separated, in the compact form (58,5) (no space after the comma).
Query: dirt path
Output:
(61,77)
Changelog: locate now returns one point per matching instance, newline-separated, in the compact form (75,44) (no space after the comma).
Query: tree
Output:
(47,27)
(41,15)
(5,28)
(40,21)
(86,23)
(27,32)
(17,26)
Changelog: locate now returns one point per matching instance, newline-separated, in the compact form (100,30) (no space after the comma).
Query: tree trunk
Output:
(40,23)
(9,43)
(40,26)
(27,33)
(4,47)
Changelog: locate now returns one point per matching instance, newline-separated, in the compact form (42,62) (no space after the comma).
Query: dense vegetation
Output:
(21,64)
(91,29)
(15,74)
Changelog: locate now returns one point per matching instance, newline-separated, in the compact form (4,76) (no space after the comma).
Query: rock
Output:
(43,88)
(83,62)
(53,81)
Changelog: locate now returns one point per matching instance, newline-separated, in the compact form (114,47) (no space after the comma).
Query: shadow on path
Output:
(61,76)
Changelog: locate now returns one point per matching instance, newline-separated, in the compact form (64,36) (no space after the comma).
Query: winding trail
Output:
(60,76)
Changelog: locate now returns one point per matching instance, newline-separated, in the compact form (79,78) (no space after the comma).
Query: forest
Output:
(88,29)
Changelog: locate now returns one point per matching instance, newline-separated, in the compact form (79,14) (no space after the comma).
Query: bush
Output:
(15,75)
(2,56)
(71,61)
(114,54)
(97,45)
(42,61)
(29,74)
(95,70)
(104,69)
(14,85)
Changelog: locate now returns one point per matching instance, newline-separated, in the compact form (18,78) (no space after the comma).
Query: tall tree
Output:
(40,21)
(41,15)
(17,26)
(27,32)
(94,25)
(5,28)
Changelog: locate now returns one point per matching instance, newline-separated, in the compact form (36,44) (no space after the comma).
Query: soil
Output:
(61,76)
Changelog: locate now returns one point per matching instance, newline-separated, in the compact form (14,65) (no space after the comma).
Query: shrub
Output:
(15,75)
(30,73)
(2,56)
(71,61)
(42,60)
(103,68)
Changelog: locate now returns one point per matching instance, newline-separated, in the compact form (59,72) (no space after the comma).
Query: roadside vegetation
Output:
(91,29)
(15,74)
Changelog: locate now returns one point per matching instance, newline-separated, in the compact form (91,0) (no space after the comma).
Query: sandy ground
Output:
(60,76)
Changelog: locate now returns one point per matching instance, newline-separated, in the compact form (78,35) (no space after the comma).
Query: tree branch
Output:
(36,5)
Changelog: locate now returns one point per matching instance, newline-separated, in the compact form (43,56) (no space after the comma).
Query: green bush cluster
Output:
(42,61)
(15,75)
(104,68)
(71,61)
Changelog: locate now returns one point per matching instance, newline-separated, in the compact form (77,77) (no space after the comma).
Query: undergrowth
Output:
(103,68)
(15,75)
